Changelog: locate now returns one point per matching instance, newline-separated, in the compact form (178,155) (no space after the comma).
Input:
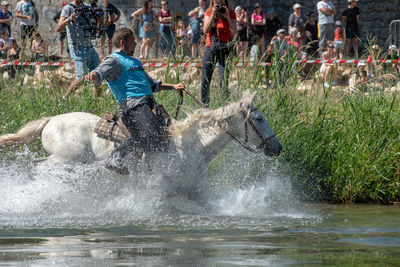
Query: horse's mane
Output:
(209,118)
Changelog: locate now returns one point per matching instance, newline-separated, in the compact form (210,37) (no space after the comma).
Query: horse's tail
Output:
(28,133)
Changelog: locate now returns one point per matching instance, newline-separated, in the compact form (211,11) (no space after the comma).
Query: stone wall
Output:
(375,18)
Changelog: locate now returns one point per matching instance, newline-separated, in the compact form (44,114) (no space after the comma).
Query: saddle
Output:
(111,127)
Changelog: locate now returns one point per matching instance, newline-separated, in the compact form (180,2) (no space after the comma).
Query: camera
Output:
(87,19)
(221,8)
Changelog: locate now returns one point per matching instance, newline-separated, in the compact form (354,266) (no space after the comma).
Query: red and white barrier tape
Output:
(191,64)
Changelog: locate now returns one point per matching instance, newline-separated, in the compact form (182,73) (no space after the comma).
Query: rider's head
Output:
(125,40)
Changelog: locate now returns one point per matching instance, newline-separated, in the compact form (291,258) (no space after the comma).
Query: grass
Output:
(341,147)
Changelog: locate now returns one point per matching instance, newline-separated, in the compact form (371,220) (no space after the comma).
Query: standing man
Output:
(5,18)
(350,19)
(326,13)
(111,15)
(133,89)
(62,34)
(29,16)
(76,17)
(273,25)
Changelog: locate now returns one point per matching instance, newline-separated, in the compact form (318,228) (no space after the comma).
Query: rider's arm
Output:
(110,70)
(154,84)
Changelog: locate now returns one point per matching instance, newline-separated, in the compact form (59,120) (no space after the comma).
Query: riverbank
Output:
(340,147)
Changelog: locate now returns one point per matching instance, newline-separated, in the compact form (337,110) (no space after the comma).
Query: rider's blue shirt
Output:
(132,83)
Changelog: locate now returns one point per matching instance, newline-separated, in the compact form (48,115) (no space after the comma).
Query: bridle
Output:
(246,116)
(247,122)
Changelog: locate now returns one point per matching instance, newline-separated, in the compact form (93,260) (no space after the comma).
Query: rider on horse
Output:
(133,88)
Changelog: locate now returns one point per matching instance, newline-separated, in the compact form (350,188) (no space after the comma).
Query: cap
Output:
(297,5)
(392,47)
(257,5)
(338,23)
(237,8)
(280,31)
(292,30)
(64,3)
(271,11)
(4,3)
(361,63)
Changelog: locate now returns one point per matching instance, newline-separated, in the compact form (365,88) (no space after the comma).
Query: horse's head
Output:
(252,128)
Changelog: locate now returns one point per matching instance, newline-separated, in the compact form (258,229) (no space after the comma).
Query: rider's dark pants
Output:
(147,135)
(210,58)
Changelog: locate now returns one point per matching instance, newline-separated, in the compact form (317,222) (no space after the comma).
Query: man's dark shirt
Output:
(273,26)
(351,17)
(110,9)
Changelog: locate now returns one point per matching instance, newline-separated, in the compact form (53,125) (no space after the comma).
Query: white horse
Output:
(194,142)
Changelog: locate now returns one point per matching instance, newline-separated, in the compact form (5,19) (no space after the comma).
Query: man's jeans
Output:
(147,135)
(210,58)
(167,42)
(85,59)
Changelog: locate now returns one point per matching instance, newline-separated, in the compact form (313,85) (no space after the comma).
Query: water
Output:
(83,215)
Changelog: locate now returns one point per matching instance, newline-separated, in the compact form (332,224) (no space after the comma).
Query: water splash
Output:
(41,196)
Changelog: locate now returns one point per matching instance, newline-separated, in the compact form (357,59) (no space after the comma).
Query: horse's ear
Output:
(248,98)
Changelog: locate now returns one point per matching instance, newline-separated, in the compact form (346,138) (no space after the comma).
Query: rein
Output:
(178,107)
(244,143)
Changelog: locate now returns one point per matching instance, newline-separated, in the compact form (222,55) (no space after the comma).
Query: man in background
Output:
(27,12)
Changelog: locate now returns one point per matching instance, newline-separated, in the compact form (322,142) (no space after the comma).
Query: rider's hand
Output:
(179,86)
(29,18)
(92,77)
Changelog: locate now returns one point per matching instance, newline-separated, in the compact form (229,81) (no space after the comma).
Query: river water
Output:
(83,215)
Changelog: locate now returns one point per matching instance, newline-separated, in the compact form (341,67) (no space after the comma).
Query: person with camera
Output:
(133,88)
(111,14)
(219,28)
(77,18)
(27,12)
(146,15)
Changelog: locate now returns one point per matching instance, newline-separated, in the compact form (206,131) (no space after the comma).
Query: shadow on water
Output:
(86,215)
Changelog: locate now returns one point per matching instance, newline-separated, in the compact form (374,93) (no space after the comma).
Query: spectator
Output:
(258,22)
(4,44)
(339,39)
(62,34)
(298,21)
(255,48)
(14,53)
(219,27)
(5,18)
(311,32)
(361,74)
(273,25)
(280,43)
(111,14)
(181,34)
(29,16)
(39,48)
(294,40)
(326,13)
(391,54)
(201,9)
(328,68)
(373,56)
(167,36)
(146,16)
(242,32)
(194,23)
(74,18)
(350,18)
